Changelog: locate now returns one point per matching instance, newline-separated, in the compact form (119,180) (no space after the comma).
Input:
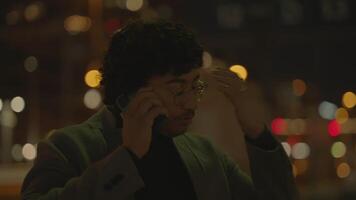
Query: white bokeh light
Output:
(17,104)
(300,150)
(92,99)
(327,110)
(16,152)
(29,151)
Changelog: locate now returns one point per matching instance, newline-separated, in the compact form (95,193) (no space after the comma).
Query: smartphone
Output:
(122,102)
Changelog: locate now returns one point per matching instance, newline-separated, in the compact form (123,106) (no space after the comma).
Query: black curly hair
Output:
(145,48)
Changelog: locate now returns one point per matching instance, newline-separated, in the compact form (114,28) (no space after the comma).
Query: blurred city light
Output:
(92,99)
(134,5)
(76,24)
(240,71)
(31,63)
(300,150)
(343,170)
(341,115)
(334,128)
(13,17)
(327,110)
(92,78)
(338,149)
(16,152)
(207,59)
(349,99)
(286,148)
(34,11)
(17,104)
(299,87)
(278,126)
(29,151)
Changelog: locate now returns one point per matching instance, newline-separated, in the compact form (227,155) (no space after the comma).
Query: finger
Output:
(146,105)
(142,96)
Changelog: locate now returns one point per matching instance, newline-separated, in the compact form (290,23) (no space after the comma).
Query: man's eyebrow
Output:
(179,80)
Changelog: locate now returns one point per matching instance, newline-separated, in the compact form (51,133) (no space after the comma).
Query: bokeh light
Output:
(92,99)
(278,126)
(299,87)
(134,5)
(327,110)
(341,115)
(0,104)
(349,99)
(334,128)
(76,24)
(287,148)
(31,63)
(300,150)
(338,149)
(343,170)
(34,11)
(29,151)
(17,104)
(240,71)
(92,78)
(16,152)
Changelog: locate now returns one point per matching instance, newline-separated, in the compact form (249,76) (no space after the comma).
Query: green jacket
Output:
(85,161)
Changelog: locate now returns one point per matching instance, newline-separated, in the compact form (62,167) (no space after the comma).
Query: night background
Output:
(299,54)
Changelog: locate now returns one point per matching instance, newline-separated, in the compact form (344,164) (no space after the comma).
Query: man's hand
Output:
(250,110)
(138,120)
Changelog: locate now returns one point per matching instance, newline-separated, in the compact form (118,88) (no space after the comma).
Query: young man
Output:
(139,149)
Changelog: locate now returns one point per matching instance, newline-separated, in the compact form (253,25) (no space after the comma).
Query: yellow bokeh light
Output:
(341,115)
(299,87)
(75,24)
(240,71)
(343,170)
(134,5)
(33,11)
(92,78)
(349,99)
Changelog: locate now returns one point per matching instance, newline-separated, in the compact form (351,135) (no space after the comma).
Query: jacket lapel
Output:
(194,164)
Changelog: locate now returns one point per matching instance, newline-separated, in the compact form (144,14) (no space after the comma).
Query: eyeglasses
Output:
(198,90)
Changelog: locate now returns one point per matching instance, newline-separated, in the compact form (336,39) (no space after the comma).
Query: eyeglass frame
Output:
(201,85)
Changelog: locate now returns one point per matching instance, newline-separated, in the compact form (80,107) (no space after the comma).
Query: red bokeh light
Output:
(334,128)
(112,25)
(278,126)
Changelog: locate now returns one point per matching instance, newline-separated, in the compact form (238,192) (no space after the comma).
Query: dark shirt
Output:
(164,173)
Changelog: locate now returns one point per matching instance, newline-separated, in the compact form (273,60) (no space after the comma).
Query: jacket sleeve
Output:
(271,175)
(54,177)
